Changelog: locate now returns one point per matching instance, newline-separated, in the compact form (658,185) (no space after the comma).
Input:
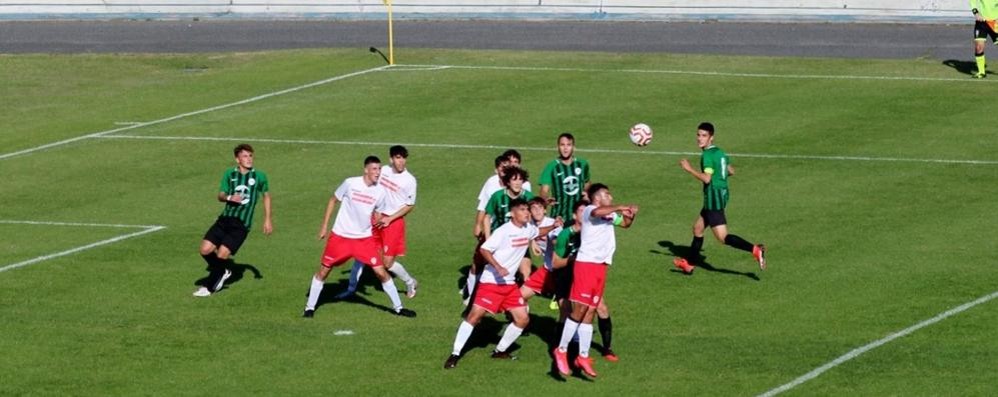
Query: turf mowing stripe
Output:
(82,248)
(545,149)
(873,345)
(12,222)
(188,114)
(408,68)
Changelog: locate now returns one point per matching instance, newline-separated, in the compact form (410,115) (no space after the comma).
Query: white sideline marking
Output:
(875,344)
(546,149)
(146,230)
(188,114)
(696,73)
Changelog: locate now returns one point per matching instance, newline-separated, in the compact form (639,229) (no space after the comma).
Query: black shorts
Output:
(228,231)
(713,217)
(563,279)
(983,31)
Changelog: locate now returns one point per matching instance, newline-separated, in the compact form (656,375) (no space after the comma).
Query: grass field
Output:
(870,181)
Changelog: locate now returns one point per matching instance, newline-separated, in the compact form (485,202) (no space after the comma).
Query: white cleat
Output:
(410,289)
(202,292)
(221,281)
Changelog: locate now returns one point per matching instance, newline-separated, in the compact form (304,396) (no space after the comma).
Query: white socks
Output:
(399,271)
(393,294)
(313,293)
(568,332)
(472,280)
(463,333)
(508,337)
(585,339)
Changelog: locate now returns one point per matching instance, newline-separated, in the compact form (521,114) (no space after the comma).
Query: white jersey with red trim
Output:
(597,239)
(400,189)
(508,245)
(546,242)
(358,201)
(492,185)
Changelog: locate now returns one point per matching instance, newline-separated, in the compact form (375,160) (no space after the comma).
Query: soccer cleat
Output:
(202,292)
(561,360)
(345,294)
(759,252)
(221,281)
(410,289)
(978,75)
(610,356)
(451,361)
(684,265)
(586,364)
(502,355)
(308,313)
(404,312)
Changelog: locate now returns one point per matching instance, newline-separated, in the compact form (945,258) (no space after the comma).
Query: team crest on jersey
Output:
(252,181)
(578,171)
(570,184)
(244,192)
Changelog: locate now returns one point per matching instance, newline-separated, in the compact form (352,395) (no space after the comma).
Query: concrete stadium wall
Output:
(903,11)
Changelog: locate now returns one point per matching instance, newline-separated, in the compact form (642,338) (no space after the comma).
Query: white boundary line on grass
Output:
(429,67)
(188,114)
(146,230)
(875,344)
(533,149)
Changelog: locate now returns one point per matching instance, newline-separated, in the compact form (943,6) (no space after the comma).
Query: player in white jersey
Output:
(596,247)
(497,291)
(542,280)
(400,186)
(352,234)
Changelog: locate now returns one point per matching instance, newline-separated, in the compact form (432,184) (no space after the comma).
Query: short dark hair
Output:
(517,202)
(240,148)
(371,159)
(398,150)
(539,201)
(706,127)
(595,188)
(512,153)
(499,160)
(566,135)
(510,171)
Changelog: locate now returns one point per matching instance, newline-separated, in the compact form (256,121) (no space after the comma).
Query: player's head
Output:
(600,194)
(512,156)
(513,178)
(372,169)
(538,207)
(519,212)
(244,155)
(500,162)
(705,134)
(398,155)
(577,210)
(566,145)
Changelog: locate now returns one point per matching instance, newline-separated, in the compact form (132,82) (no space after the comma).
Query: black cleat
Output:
(502,355)
(404,312)
(308,313)
(451,361)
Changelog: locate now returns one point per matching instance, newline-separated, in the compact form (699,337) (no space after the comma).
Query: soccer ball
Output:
(640,134)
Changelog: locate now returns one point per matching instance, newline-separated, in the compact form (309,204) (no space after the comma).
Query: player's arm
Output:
(325,219)
(701,176)
(398,214)
(560,248)
(268,227)
(623,214)
(491,260)
(486,226)
(545,193)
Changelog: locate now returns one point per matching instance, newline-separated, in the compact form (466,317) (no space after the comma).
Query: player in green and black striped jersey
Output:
(565,180)
(715,168)
(241,188)
(497,211)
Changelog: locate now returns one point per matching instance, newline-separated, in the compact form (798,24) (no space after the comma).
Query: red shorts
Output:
(496,298)
(339,249)
(588,281)
(393,237)
(541,281)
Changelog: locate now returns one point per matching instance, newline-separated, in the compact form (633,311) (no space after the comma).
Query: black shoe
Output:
(308,313)
(405,312)
(502,355)
(451,361)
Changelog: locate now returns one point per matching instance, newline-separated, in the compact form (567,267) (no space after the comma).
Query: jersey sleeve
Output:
(410,194)
(342,190)
(483,197)
(491,204)
(585,171)
(495,240)
(561,243)
(263,184)
(547,175)
(709,163)
(224,186)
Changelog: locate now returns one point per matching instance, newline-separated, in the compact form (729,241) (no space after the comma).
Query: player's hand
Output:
(322,232)
(537,250)
(501,270)
(268,228)
(478,230)
(236,198)
(558,222)
(685,164)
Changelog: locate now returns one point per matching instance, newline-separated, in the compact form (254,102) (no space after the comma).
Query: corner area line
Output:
(875,344)
(188,114)
(147,230)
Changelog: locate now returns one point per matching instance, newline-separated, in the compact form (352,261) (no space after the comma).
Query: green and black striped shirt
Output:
(713,161)
(567,182)
(498,207)
(250,186)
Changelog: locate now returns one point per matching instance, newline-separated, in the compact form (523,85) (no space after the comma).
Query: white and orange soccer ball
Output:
(640,134)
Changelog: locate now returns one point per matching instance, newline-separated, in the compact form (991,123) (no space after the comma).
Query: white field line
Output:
(14,222)
(189,114)
(417,67)
(146,230)
(548,149)
(875,344)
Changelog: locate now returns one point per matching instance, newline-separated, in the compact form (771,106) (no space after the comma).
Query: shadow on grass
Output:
(683,251)
(238,273)
(965,67)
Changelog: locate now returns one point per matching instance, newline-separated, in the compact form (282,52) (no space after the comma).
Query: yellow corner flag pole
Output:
(391,39)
